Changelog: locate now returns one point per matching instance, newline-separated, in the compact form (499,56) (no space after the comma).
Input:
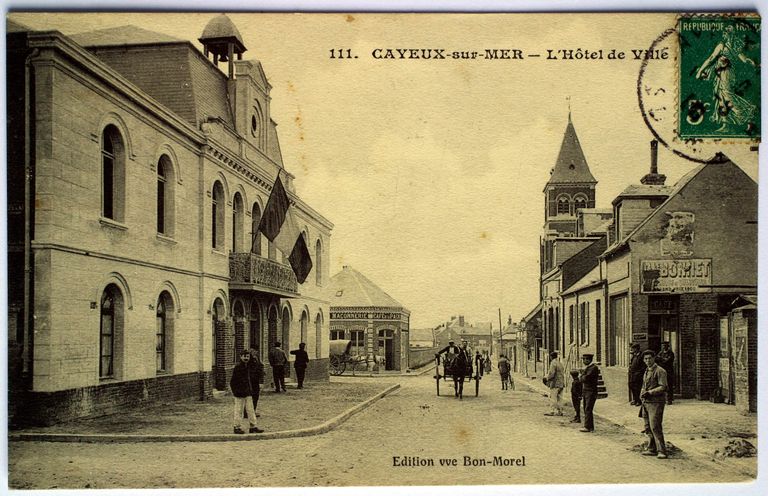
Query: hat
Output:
(665,342)
(450,341)
(635,345)
(588,355)
(649,352)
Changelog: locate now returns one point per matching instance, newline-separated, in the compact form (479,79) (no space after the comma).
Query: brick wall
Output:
(707,334)
(225,359)
(36,408)
(690,306)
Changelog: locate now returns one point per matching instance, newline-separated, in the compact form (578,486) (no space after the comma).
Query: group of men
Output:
(248,374)
(653,394)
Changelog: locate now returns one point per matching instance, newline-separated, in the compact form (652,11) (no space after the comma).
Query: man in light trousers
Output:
(556,383)
(653,397)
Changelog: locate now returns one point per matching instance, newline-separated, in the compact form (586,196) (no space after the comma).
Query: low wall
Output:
(421,356)
(47,408)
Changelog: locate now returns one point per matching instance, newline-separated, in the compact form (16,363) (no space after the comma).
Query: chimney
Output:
(461,320)
(654,178)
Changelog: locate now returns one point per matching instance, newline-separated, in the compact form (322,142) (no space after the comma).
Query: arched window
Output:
(217,313)
(217,216)
(304,324)
(165,196)
(286,324)
(112,174)
(110,329)
(255,234)
(563,205)
(238,313)
(579,202)
(237,223)
(318,335)
(318,263)
(163,332)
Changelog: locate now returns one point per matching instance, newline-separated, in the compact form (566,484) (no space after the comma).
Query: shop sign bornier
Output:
(676,276)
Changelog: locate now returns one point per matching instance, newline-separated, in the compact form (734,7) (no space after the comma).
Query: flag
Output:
(279,226)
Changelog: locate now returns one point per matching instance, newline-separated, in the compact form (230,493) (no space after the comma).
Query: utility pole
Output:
(501,330)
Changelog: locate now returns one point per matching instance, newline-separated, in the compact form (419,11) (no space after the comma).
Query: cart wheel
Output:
(337,365)
(477,385)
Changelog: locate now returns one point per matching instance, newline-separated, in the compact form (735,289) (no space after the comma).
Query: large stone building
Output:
(138,170)
(376,323)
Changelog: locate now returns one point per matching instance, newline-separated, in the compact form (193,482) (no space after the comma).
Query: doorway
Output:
(387,347)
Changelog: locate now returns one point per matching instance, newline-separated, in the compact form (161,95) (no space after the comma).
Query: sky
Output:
(432,171)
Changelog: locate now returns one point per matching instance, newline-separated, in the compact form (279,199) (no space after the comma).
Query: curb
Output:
(203,438)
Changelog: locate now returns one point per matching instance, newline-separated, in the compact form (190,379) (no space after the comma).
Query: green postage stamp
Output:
(719,77)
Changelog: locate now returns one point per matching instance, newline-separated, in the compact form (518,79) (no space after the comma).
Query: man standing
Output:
(300,364)
(244,383)
(503,367)
(278,361)
(666,358)
(556,383)
(652,396)
(635,373)
(588,378)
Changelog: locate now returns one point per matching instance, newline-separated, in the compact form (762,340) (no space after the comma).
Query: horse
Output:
(458,366)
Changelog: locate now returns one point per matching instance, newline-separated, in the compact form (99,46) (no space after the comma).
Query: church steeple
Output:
(571,186)
(571,166)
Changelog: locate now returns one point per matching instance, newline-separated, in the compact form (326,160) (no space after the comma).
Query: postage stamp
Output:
(719,77)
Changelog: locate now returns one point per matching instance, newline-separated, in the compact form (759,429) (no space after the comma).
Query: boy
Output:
(576,395)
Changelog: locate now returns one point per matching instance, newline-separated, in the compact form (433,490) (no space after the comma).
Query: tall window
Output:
(318,263)
(160,336)
(255,234)
(570,323)
(110,328)
(318,335)
(598,331)
(161,197)
(304,323)
(107,340)
(237,223)
(584,323)
(217,216)
(112,174)
(563,206)
(358,342)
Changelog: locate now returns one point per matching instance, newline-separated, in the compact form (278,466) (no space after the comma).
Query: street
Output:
(410,437)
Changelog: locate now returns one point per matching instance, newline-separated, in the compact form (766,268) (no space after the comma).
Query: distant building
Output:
(478,335)
(376,323)
(422,338)
(138,172)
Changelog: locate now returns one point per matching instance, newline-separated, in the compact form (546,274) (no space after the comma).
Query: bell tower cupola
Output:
(222,41)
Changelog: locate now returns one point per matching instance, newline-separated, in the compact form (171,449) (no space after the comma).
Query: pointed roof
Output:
(571,165)
(350,288)
(122,35)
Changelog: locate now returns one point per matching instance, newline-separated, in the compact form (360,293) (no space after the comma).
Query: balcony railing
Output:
(251,271)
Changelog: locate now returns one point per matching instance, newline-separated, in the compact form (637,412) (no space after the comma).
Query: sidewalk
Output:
(699,428)
(316,409)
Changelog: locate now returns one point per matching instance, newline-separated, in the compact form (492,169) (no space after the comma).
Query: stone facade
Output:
(109,260)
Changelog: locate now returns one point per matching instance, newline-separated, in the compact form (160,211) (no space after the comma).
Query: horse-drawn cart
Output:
(449,366)
(340,358)
(338,353)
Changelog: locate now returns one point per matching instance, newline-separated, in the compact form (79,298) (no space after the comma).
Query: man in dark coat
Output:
(244,384)
(300,364)
(666,359)
(588,378)
(278,361)
(462,366)
(635,374)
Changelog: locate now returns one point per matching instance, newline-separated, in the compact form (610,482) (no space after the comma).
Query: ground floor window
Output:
(619,335)
(337,334)
(358,342)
